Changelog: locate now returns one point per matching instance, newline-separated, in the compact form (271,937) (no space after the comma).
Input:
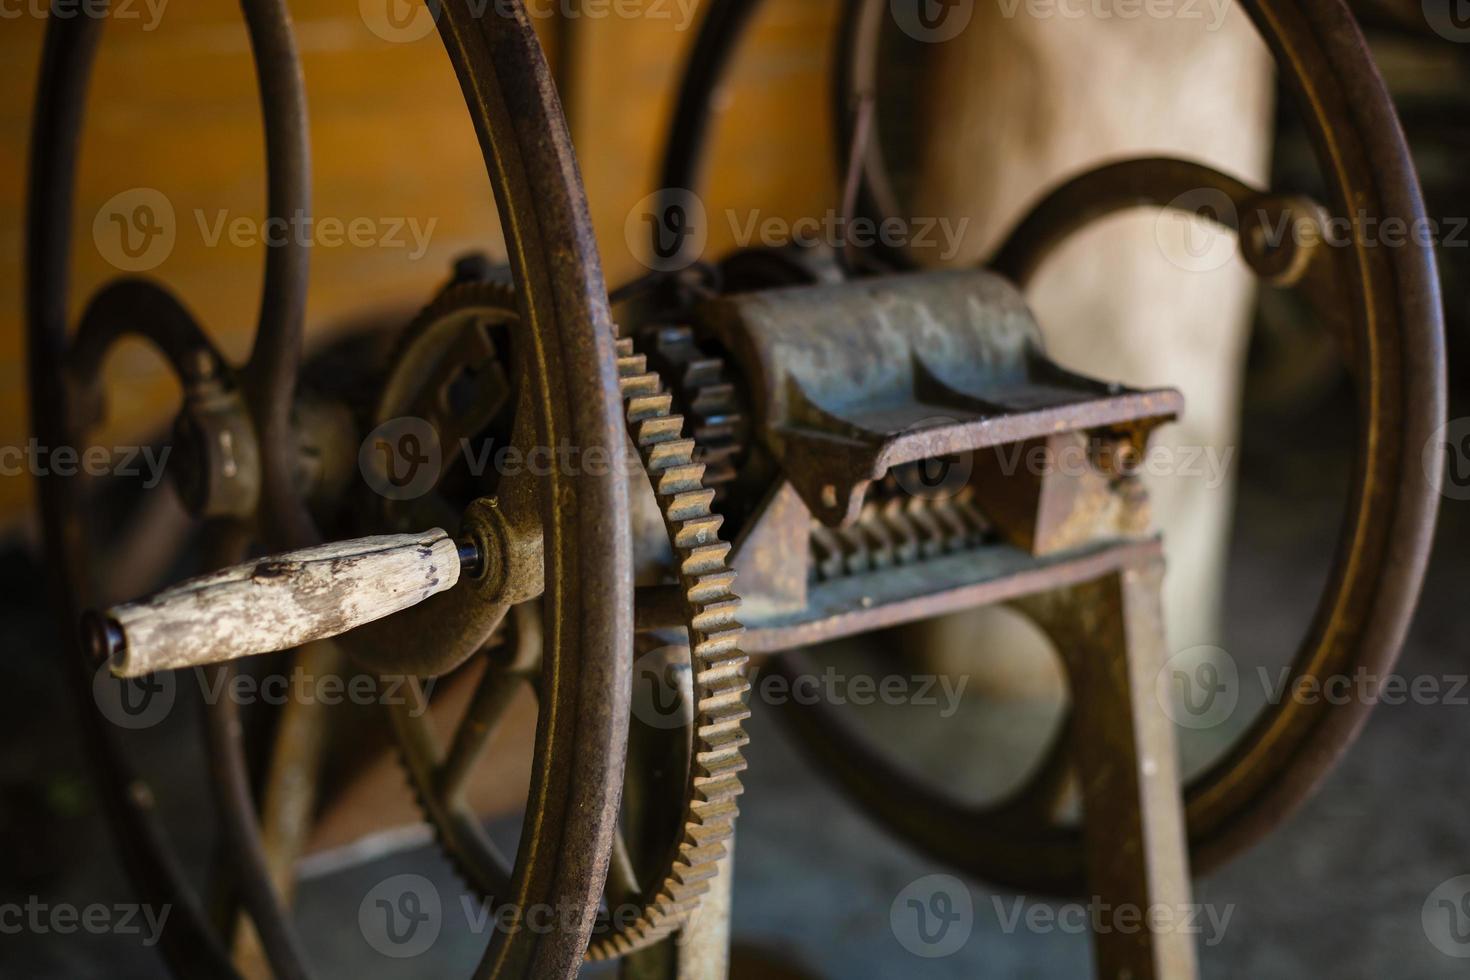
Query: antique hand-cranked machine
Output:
(823,440)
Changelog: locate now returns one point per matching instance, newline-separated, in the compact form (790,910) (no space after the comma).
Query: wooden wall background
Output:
(174,108)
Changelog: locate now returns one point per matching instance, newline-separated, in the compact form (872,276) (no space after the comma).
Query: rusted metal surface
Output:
(1110,632)
(1045,505)
(666,887)
(850,381)
(455,333)
(861,604)
(705,388)
(1018,842)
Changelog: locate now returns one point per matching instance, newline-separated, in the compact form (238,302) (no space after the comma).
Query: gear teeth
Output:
(680,477)
(714,790)
(643,384)
(724,717)
(708,855)
(675,343)
(903,533)
(716,614)
(712,670)
(677,467)
(665,443)
(713,820)
(642,407)
(689,505)
(701,370)
(700,536)
(719,640)
(899,529)
(723,744)
(701,873)
(710,399)
(708,586)
(703,558)
(724,766)
(826,552)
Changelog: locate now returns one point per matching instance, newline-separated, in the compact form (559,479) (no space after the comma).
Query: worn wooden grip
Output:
(277,602)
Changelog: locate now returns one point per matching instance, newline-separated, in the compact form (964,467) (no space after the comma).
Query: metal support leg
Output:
(1110,633)
(701,950)
(704,944)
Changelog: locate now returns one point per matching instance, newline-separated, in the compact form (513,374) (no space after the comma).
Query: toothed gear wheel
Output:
(446,369)
(705,392)
(717,666)
(454,299)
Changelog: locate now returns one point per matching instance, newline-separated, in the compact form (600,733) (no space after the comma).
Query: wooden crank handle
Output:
(276,602)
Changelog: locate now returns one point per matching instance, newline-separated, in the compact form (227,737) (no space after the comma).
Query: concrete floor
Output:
(1339,891)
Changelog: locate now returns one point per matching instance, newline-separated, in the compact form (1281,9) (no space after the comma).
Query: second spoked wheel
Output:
(1380,303)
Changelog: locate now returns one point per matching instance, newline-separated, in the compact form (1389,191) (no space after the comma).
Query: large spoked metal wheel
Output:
(1383,306)
(571,395)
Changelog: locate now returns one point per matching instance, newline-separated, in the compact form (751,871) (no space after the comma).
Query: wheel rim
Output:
(569,824)
(1397,367)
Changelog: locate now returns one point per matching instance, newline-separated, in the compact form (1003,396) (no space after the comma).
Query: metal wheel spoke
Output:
(488,866)
(151,545)
(493,696)
(275,357)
